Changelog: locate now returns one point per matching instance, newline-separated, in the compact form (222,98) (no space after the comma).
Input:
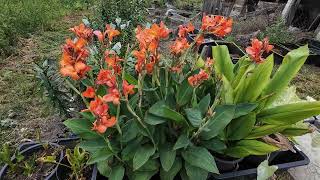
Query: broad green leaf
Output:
(142,155)
(195,173)
(244,109)
(295,130)
(224,115)
(204,104)
(130,131)
(153,119)
(143,175)
(150,165)
(130,79)
(182,142)
(88,115)
(245,148)
(129,151)
(81,127)
(287,96)
(117,173)
(184,93)
(100,155)
(227,91)
(257,81)
(265,130)
(241,127)
(173,171)
(264,171)
(200,157)
(223,64)
(290,113)
(245,66)
(93,145)
(162,110)
(167,156)
(215,145)
(290,66)
(194,116)
(104,168)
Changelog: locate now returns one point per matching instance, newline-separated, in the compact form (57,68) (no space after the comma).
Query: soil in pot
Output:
(65,173)
(227,164)
(30,167)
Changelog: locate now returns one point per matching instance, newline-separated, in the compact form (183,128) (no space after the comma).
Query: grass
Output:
(19,93)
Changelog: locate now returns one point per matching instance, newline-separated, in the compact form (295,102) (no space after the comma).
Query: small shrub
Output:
(278,33)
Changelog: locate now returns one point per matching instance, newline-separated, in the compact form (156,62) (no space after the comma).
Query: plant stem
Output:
(77,91)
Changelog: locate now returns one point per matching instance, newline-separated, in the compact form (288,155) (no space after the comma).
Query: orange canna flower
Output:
(111,32)
(199,40)
(106,77)
(127,88)
(108,122)
(179,46)
(89,93)
(98,127)
(185,29)
(197,79)
(101,125)
(257,48)
(217,25)
(113,96)
(98,108)
(82,31)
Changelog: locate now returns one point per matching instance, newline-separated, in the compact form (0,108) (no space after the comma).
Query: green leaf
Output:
(162,110)
(117,173)
(93,145)
(184,93)
(167,156)
(100,155)
(245,65)
(245,148)
(215,145)
(130,79)
(227,91)
(290,113)
(294,130)
(150,165)
(130,131)
(244,109)
(223,64)
(104,168)
(81,127)
(142,155)
(224,115)
(200,157)
(241,127)
(129,151)
(182,142)
(194,116)
(290,66)
(204,104)
(265,130)
(143,175)
(195,173)
(264,171)
(153,119)
(257,81)
(88,115)
(173,171)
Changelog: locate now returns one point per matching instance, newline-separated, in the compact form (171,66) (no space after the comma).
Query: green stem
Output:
(78,92)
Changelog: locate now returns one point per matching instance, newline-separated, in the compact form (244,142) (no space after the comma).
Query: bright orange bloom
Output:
(111,32)
(127,88)
(217,25)
(82,31)
(176,69)
(185,29)
(102,124)
(89,93)
(199,40)
(73,59)
(112,60)
(179,46)
(113,96)
(98,108)
(106,77)
(197,79)
(257,48)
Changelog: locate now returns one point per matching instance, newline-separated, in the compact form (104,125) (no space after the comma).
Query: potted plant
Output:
(152,116)
(27,163)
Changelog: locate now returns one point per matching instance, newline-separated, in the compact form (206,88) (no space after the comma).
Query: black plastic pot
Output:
(69,142)
(235,51)
(283,159)
(207,37)
(279,51)
(225,165)
(29,151)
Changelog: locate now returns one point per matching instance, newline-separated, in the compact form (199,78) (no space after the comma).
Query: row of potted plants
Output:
(185,115)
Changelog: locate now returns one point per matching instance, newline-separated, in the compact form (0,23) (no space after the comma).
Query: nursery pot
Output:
(29,151)
(227,164)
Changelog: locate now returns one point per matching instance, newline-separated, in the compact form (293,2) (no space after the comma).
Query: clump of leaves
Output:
(278,33)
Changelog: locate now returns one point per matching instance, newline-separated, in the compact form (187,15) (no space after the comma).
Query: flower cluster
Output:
(257,48)
(147,56)
(198,79)
(217,25)
(109,30)
(82,31)
(181,43)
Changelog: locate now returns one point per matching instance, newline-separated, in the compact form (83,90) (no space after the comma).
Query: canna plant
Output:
(173,115)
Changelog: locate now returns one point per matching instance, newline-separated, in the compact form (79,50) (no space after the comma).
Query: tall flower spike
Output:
(82,31)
